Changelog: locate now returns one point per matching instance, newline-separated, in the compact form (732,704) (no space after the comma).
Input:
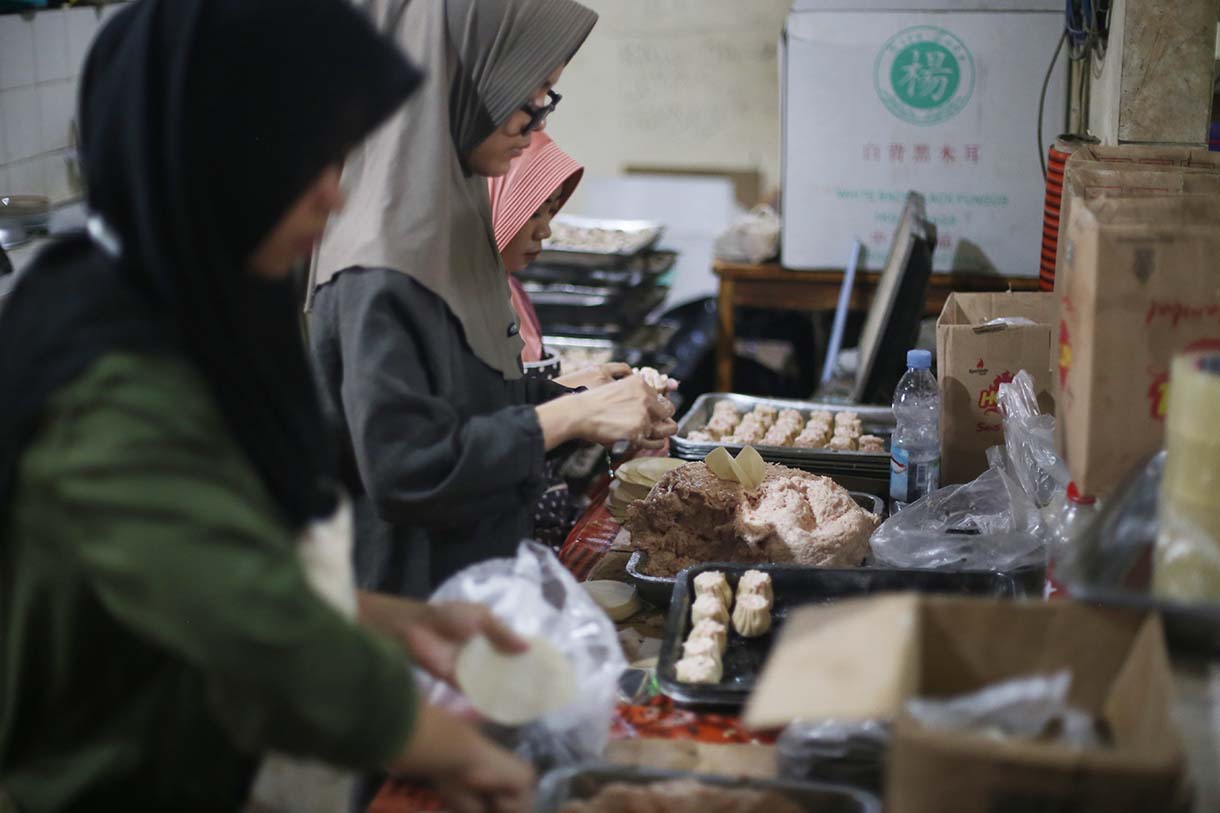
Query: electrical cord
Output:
(1050,69)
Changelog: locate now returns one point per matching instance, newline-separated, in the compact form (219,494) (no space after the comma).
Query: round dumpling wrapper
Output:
(514,689)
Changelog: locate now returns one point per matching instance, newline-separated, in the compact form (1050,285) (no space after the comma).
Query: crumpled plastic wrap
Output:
(847,751)
(538,598)
(1029,437)
(752,237)
(1028,708)
(987,524)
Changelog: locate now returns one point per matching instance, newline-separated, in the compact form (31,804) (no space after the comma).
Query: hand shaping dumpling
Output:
(699,670)
(714,630)
(756,583)
(707,608)
(713,582)
(751,616)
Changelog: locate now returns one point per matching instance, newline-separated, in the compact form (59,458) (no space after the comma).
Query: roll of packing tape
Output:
(1188,542)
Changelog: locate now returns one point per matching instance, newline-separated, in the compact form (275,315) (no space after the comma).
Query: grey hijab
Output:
(411,205)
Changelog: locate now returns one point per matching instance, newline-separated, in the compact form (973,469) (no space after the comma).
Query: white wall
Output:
(41,55)
(675,83)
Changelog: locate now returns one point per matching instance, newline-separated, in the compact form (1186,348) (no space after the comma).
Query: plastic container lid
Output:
(919,359)
(1075,496)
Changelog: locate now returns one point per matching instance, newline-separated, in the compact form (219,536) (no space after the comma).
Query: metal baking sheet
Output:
(637,236)
(582,782)
(797,587)
(877,420)
(659,590)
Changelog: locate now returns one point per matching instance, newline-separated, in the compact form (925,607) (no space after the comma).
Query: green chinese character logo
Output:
(924,75)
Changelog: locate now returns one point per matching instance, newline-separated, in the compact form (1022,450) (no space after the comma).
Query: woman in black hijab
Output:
(160,452)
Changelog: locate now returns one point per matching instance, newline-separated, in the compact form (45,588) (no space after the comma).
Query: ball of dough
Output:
(709,608)
(701,647)
(699,670)
(713,583)
(751,616)
(714,630)
(756,583)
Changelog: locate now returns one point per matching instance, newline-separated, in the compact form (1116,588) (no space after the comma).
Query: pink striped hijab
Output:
(533,177)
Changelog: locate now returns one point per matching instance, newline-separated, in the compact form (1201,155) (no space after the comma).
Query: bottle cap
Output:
(919,359)
(1075,496)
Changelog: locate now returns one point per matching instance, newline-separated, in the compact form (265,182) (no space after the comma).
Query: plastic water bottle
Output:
(915,450)
(1074,516)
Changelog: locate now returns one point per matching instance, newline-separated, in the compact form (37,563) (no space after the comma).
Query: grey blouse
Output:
(446,456)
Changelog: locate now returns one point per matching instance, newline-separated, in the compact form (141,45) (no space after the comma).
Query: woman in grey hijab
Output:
(410,316)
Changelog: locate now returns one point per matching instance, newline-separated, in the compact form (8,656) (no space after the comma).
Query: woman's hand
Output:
(591,377)
(432,634)
(627,409)
(471,774)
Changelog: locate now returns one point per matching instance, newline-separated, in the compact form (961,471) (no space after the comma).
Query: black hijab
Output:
(202,122)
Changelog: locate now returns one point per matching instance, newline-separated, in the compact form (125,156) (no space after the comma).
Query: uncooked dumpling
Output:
(713,582)
(699,670)
(756,583)
(515,689)
(715,630)
(701,647)
(751,616)
(709,608)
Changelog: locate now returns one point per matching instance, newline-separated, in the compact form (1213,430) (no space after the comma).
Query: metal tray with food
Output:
(641,269)
(576,789)
(659,590)
(592,241)
(876,421)
(795,587)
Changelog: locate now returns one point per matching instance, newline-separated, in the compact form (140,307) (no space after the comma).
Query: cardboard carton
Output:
(863,659)
(973,359)
(1142,285)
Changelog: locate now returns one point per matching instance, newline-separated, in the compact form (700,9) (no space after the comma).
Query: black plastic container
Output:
(796,587)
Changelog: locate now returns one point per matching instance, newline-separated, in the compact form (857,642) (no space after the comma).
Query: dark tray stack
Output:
(600,294)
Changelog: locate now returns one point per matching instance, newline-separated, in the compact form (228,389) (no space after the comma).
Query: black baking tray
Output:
(797,587)
(582,782)
(640,270)
(658,590)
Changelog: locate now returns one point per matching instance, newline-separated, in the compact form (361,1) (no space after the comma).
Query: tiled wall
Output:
(41,56)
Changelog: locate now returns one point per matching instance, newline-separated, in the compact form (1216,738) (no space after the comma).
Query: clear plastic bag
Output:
(1029,437)
(987,524)
(847,751)
(752,237)
(1029,708)
(538,598)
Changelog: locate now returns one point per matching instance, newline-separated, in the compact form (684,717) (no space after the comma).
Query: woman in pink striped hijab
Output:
(523,202)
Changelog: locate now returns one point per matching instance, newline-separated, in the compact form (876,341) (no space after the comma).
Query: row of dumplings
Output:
(767,426)
(704,648)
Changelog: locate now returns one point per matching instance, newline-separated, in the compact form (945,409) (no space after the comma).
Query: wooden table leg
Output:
(725,338)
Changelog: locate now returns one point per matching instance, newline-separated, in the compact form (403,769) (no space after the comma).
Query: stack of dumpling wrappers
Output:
(634,479)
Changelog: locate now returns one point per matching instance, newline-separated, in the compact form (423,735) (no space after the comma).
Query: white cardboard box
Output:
(941,100)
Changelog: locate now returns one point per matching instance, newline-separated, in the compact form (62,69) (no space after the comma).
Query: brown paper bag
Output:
(972,362)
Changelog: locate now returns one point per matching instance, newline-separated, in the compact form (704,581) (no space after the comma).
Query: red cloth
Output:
(531,179)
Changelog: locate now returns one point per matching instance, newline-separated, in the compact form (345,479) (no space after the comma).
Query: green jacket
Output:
(157,633)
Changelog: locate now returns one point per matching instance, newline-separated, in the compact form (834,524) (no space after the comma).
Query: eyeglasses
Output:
(538,114)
